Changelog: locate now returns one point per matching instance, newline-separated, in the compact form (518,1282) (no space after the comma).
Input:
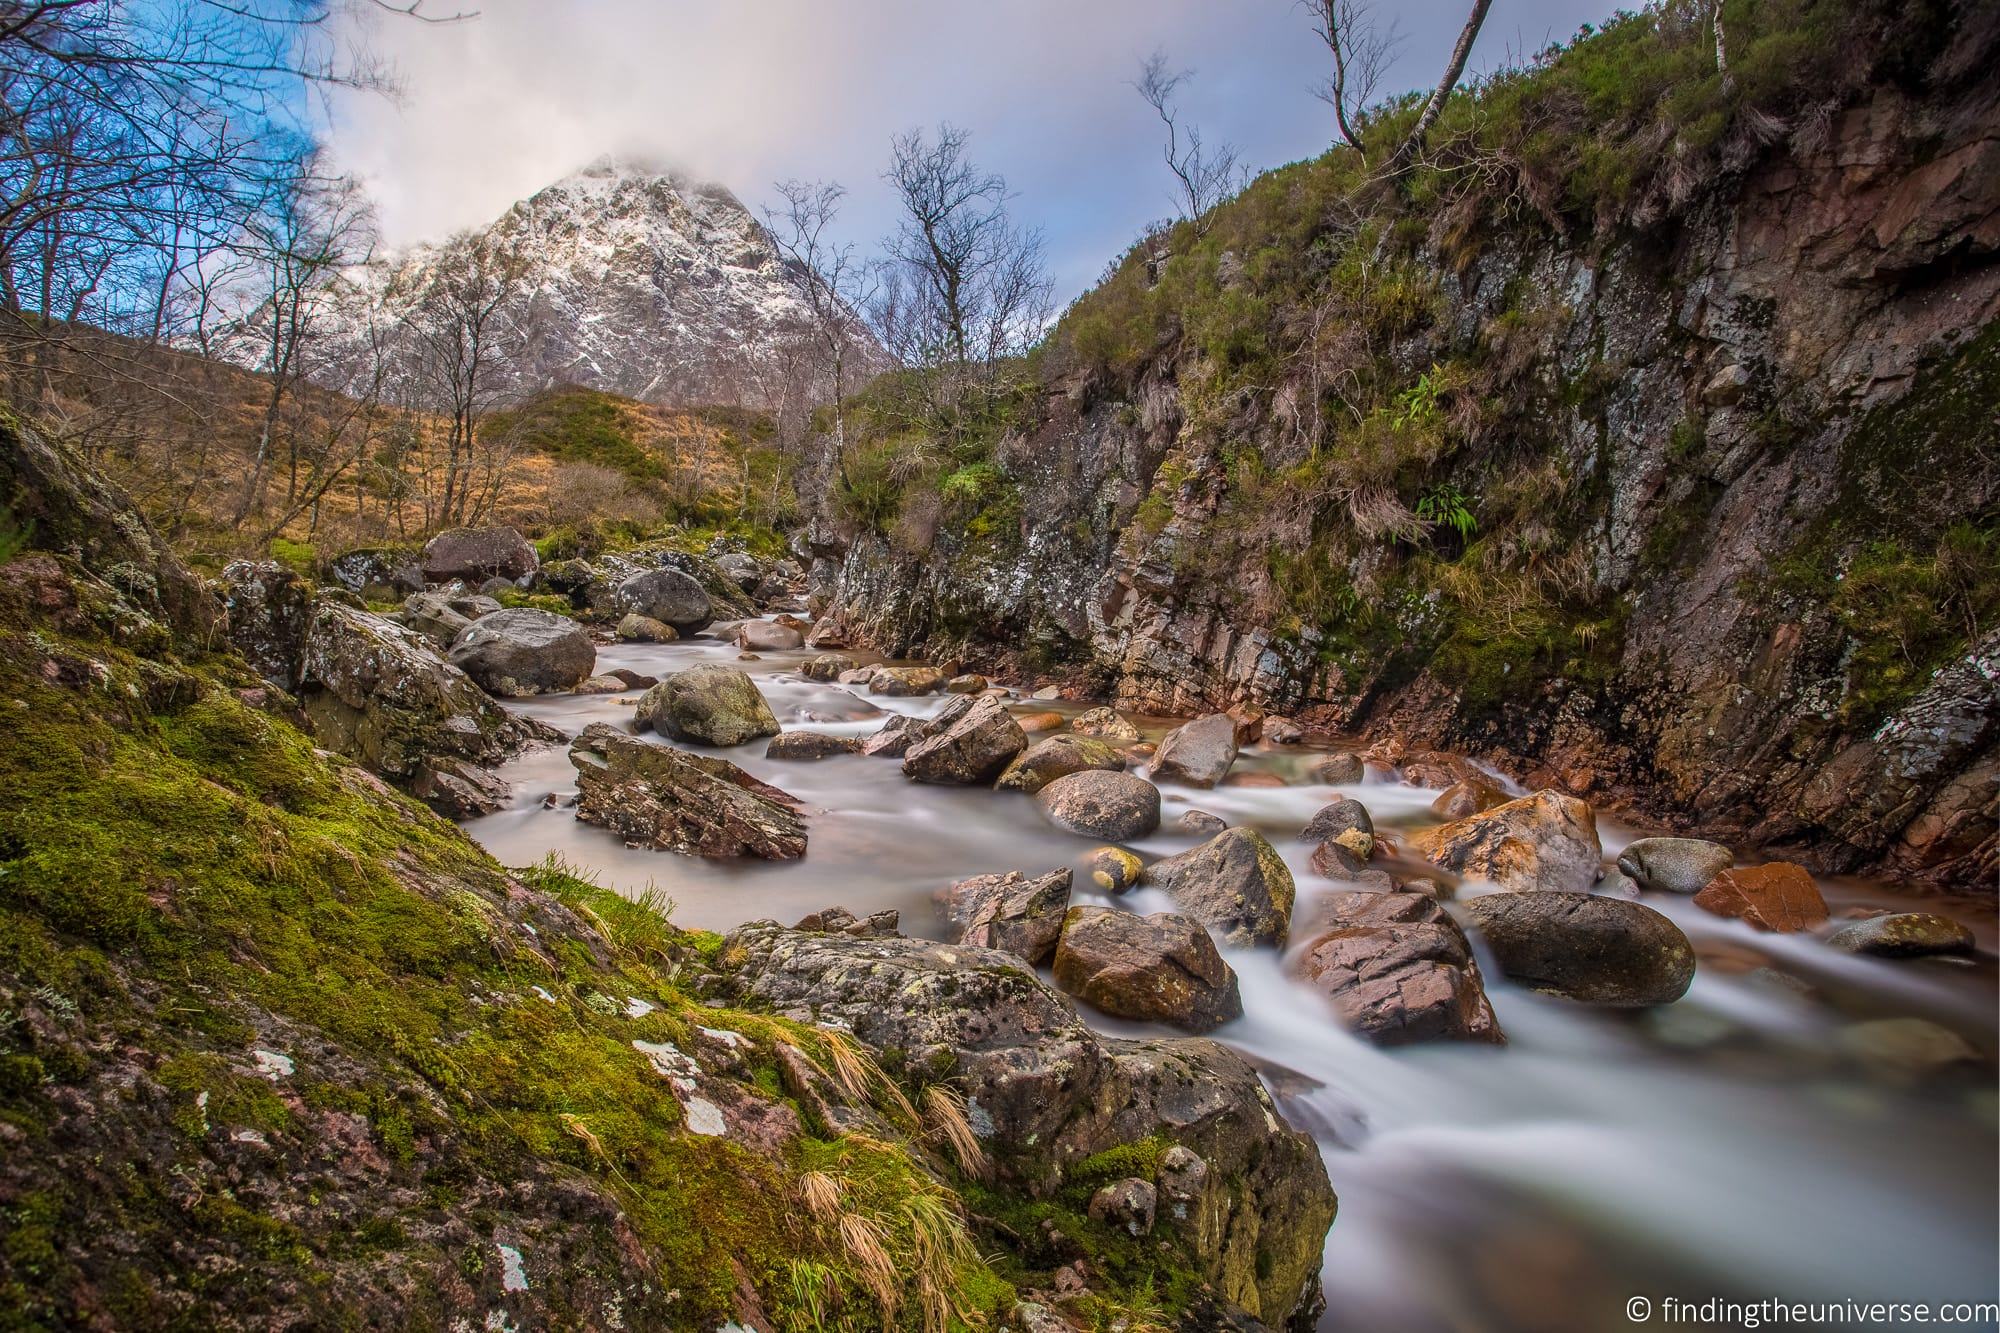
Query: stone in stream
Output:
(1467,797)
(1776,896)
(827,667)
(633,680)
(1342,859)
(803,745)
(1010,912)
(670,799)
(1236,884)
(1674,865)
(671,596)
(1398,969)
(1099,803)
(477,554)
(606,684)
(1339,770)
(1335,818)
(1113,869)
(1201,823)
(1197,753)
(635,628)
(1105,724)
(1044,1092)
(1436,768)
(896,737)
(1036,722)
(1596,950)
(1546,842)
(1161,968)
(1056,757)
(768,637)
(524,651)
(1904,935)
(1907,1050)
(969,683)
(1282,731)
(907,681)
(710,704)
(972,741)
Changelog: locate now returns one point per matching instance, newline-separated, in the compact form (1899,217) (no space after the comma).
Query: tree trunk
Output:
(1435,106)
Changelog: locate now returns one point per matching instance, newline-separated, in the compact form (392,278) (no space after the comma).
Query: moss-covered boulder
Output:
(710,704)
(1055,757)
(1236,884)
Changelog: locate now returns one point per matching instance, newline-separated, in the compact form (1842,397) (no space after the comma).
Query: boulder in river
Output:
(710,704)
(1161,968)
(1335,818)
(1055,757)
(1674,865)
(972,741)
(896,737)
(801,745)
(1236,884)
(1398,970)
(1340,770)
(524,651)
(1010,912)
(1905,935)
(1201,823)
(767,636)
(635,628)
(970,682)
(1044,1092)
(1468,796)
(1776,896)
(905,681)
(1585,947)
(1113,869)
(827,667)
(1100,803)
(1546,842)
(478,554)
(671,596)
(1105,724)
(666,798)
(1197,753)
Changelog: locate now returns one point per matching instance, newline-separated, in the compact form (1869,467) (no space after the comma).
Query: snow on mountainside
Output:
(630,279)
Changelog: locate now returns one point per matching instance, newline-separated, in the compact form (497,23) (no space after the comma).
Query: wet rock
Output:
(711,704)
(1048,693)
(635,628)
(671,596)
(1201,823)
(431,615)
(1113,869)
(905,681)
(1126,1205)
(1055,757)
(886,924)
(633,680)
(827,667)
(1335,818)
(1105,724)
(670,799)
(1904,935)
(1236,884)
(1338,858)
(524,651)
(1674,865)
(1596,950)
(478,554)
(1777,896)
(974,741)
(810,745)
(857,675)
(896,737)
(1044,1091)
(1282,731)
(1098,803)
(765,636)
(1010,912)
(1546,842)
(1037,722)
(601,685)
(1339,770)
(1197,753)
(1435,768)
(1398,969)
(969,683)
(1161,968)
(1467,797)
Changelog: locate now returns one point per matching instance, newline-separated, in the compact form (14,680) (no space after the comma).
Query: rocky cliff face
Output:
(1708,466)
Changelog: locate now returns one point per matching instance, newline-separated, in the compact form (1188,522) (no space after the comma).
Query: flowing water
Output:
(1731,1145)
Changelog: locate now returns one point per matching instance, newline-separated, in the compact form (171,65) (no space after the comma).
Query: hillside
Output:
(1639,440)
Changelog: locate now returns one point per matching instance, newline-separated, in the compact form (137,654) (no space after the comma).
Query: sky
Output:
(750,92)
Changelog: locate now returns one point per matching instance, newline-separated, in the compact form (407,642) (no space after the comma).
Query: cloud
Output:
(748,92)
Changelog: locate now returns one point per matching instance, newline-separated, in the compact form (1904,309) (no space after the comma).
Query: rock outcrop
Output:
(662,797)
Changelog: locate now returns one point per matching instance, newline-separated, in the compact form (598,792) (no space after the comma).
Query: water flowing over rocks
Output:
(658,796)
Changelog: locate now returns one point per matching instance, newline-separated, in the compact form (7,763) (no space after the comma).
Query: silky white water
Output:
(1724,1146)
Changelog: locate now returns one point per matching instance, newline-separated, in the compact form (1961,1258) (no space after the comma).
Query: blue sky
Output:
(751,91)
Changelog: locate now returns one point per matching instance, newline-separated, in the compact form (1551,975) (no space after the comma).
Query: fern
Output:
(1447,506)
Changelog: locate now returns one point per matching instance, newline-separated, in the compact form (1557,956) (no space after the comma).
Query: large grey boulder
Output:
(475,555)
(1236,884)
(1044,1092)
(1197,753)
(1397,969)
(1054,757)
(1545,843)
(1010,912)
(1101,803)
(666,595)
(1598,950)
(524,651)
(1161,968)
(1675,865)
(673,800)
(711,704)
(974,739)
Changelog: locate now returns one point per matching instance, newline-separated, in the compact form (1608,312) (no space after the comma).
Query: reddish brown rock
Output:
(1399,970)
(1776,896)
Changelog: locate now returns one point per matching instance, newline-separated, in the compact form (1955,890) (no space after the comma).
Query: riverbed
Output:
(1747,1142)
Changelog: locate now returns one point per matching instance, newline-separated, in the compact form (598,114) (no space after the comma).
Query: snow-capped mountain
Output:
(622,277)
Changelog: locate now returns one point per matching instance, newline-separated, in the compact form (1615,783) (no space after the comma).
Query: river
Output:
(1732,1145)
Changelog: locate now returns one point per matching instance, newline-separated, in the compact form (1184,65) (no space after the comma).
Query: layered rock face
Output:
(1723,416)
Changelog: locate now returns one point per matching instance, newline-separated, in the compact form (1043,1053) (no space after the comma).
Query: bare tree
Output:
(1205,176)
(836,282)
(1361,53)
(1434,105)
